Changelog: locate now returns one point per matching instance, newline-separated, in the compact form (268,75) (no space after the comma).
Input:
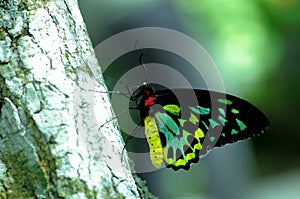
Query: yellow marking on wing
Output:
(172,108)
(154,142)
(199,134)
(183,162)
(190,156)
(180,162)
(181,122)
(167,160)
(193,119)
(178,143)
(187,157)
(198,146)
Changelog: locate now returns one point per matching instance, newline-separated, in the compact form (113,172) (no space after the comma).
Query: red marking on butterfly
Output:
(150,101)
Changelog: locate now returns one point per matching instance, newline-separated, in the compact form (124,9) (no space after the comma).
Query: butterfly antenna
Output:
(136,129)
(141,60)
(144,66)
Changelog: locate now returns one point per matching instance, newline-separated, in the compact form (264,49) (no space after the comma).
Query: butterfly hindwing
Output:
(181,145)
(154,140)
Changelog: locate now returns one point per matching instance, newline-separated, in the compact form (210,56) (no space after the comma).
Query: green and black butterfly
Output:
(182,125)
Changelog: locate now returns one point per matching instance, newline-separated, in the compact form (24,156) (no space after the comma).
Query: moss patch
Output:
(22,180)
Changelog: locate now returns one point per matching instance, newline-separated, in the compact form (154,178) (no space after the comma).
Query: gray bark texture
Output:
(50,142)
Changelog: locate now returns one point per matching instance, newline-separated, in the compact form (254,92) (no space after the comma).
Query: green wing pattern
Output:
(181,146)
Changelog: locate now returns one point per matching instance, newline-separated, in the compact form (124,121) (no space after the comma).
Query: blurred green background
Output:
(255,44)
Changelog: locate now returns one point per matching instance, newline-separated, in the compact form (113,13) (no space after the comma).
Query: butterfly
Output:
(182,125)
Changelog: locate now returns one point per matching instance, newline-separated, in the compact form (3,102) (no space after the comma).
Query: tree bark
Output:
(50,144)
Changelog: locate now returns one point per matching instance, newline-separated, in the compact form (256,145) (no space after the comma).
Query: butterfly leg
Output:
(136,129)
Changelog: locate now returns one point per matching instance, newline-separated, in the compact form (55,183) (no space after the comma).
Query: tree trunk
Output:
(50,144)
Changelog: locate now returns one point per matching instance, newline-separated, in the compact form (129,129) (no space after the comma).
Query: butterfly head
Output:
(144,95)
(144,90)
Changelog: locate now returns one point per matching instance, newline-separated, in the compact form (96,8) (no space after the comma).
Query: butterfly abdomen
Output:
(154,141)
